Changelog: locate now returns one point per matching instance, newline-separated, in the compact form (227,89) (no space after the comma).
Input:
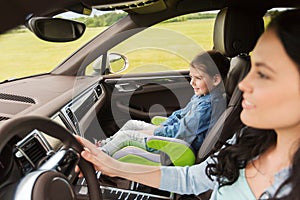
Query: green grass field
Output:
(17,49)
(168,46)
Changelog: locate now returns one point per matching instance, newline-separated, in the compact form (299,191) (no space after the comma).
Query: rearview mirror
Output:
(56,29)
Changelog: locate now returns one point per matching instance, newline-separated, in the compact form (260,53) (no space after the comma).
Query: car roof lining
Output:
(193,6)
(190,6)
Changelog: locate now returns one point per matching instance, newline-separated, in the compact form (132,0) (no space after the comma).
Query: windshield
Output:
(23,54)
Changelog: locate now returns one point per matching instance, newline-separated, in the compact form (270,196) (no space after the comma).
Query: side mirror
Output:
(56,29)
(117,63)
(110,63)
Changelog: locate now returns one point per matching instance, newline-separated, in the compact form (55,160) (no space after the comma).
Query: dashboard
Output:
(74,103)
(20,156)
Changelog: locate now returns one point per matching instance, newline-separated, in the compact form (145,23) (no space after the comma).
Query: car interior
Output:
(229,122)
(40,114)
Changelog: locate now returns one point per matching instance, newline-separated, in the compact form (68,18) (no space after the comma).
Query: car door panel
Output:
(142,97)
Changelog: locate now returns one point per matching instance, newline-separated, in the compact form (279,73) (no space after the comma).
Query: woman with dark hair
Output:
(262,160)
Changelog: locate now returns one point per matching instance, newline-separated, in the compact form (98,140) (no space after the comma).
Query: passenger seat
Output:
(235,40)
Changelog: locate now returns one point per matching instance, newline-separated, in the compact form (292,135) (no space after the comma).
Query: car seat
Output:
(234,40)
(229,122)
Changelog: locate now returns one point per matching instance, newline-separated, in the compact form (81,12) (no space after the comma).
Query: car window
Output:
(167,46)
(23,54)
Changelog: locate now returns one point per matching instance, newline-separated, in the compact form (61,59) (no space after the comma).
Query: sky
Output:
(71,15)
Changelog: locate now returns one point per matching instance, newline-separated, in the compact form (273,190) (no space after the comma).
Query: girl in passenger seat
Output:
(207,70)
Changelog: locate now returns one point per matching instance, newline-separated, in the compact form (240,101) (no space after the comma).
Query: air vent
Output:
(31,151)
(71,115)
(73,120)
(34,150)
(12,97)
(3,118)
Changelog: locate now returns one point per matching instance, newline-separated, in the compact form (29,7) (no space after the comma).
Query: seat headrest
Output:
(240,66)
(236,30)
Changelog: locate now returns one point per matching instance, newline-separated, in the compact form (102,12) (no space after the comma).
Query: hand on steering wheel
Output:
(47,182)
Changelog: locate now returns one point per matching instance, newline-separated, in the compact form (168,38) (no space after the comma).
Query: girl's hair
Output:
(212,62)
(251,142)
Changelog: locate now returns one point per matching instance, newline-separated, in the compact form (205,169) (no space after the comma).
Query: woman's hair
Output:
(251,142)
(212,62)
(287,27)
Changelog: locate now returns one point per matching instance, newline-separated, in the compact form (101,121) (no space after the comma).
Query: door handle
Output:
(127,87)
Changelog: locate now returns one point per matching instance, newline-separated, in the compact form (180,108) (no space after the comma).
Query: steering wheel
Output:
(50,182)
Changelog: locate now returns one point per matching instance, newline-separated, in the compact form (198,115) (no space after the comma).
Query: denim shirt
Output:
(192,122)
(193,180)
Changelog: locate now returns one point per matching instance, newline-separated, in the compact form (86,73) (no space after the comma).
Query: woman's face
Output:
(201,82)
(272,87)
